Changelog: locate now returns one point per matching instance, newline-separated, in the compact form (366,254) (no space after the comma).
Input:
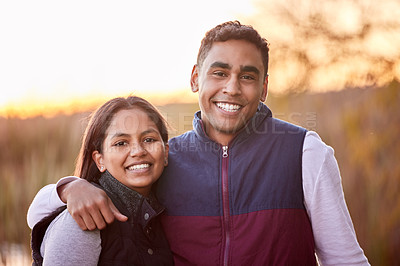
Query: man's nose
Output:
(233,87)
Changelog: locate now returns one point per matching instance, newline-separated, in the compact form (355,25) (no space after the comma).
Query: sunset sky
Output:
(69,55)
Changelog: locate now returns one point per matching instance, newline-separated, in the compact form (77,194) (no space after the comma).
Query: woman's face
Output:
(133,150)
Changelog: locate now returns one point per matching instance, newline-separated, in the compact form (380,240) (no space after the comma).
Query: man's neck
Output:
(220,137)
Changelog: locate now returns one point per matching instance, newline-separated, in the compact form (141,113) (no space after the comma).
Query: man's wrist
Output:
(61,192)
(62,186)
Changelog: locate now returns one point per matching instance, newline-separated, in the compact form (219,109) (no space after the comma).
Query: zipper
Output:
(224,151)
(225,204)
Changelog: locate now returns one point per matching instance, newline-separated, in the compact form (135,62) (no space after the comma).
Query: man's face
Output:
(230,83)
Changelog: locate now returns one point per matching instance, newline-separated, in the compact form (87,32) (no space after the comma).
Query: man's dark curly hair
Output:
(233,30)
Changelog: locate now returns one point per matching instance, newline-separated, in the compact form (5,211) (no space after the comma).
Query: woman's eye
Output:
(120,143)
(149,140)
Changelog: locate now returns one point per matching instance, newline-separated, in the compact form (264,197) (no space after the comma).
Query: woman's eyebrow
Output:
(150,130)
(126,135)
(119,134)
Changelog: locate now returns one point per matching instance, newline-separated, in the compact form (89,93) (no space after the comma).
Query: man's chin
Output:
(229,129)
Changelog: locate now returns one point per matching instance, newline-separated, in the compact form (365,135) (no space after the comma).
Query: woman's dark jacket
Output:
(138,241)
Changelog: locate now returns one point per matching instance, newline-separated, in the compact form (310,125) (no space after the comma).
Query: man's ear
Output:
(98,159)
(265,90)
(194,79)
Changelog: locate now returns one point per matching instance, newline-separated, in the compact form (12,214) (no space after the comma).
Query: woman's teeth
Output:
(139,166)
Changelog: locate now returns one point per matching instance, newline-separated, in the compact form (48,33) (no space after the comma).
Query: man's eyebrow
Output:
(218,64)
(250,69)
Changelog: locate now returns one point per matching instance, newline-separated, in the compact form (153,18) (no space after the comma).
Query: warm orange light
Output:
(320,47)
(25,109)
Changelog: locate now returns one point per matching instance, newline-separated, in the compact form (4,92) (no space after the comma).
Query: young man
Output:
(242,188)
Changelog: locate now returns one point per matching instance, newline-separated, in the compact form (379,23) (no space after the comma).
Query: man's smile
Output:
(228,107)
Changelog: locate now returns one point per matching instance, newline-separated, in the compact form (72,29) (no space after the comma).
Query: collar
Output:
(131,203)
(263,112)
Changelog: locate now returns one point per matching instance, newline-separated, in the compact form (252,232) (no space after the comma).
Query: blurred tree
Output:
(330,45)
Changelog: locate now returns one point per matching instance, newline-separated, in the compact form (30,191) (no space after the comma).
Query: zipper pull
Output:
(224,151)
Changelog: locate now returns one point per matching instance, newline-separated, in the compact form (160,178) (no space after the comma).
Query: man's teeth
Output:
(139,166)
(228,107)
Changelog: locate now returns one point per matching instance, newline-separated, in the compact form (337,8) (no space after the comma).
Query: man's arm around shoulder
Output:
(46,201)
(90,206)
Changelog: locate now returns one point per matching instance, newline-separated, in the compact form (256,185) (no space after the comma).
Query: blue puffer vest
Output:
(240,204)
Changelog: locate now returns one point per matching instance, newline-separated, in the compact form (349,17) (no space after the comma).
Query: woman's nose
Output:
(137,150)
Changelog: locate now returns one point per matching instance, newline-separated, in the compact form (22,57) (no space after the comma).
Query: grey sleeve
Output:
(66,244)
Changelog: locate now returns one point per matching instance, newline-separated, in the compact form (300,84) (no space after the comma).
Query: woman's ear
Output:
(98,159)
(194,79)
(166,155)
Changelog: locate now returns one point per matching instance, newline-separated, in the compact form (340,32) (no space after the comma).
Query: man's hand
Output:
(90,206)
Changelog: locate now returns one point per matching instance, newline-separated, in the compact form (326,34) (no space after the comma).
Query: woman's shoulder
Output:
(66,241)
(64,224)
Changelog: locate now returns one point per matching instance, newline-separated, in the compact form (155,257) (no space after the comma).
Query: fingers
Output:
(115,213)
(98,216)
(85,204)
(92,214)
(80,222)
(96,221)
(106,211)
(90,206)
(109,212)
(89,218)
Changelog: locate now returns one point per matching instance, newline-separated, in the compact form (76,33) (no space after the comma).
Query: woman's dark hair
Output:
(233,30)
(99,122)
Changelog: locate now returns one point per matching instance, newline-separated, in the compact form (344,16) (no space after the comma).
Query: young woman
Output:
(124,151)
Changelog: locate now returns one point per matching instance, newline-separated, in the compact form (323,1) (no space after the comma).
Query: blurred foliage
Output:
(362,125)
(372,141)
(331,44)
(35,152)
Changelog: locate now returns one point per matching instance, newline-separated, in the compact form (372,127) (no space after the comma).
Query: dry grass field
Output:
(362,125)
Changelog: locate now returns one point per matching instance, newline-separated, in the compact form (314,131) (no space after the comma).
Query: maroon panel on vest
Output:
(269,237)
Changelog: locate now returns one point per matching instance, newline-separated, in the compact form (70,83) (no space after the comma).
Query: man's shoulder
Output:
(277,127)
(285,124)
(187,136)
(315,146)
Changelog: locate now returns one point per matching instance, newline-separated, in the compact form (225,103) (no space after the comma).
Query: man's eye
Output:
(219,74)
(248,77)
